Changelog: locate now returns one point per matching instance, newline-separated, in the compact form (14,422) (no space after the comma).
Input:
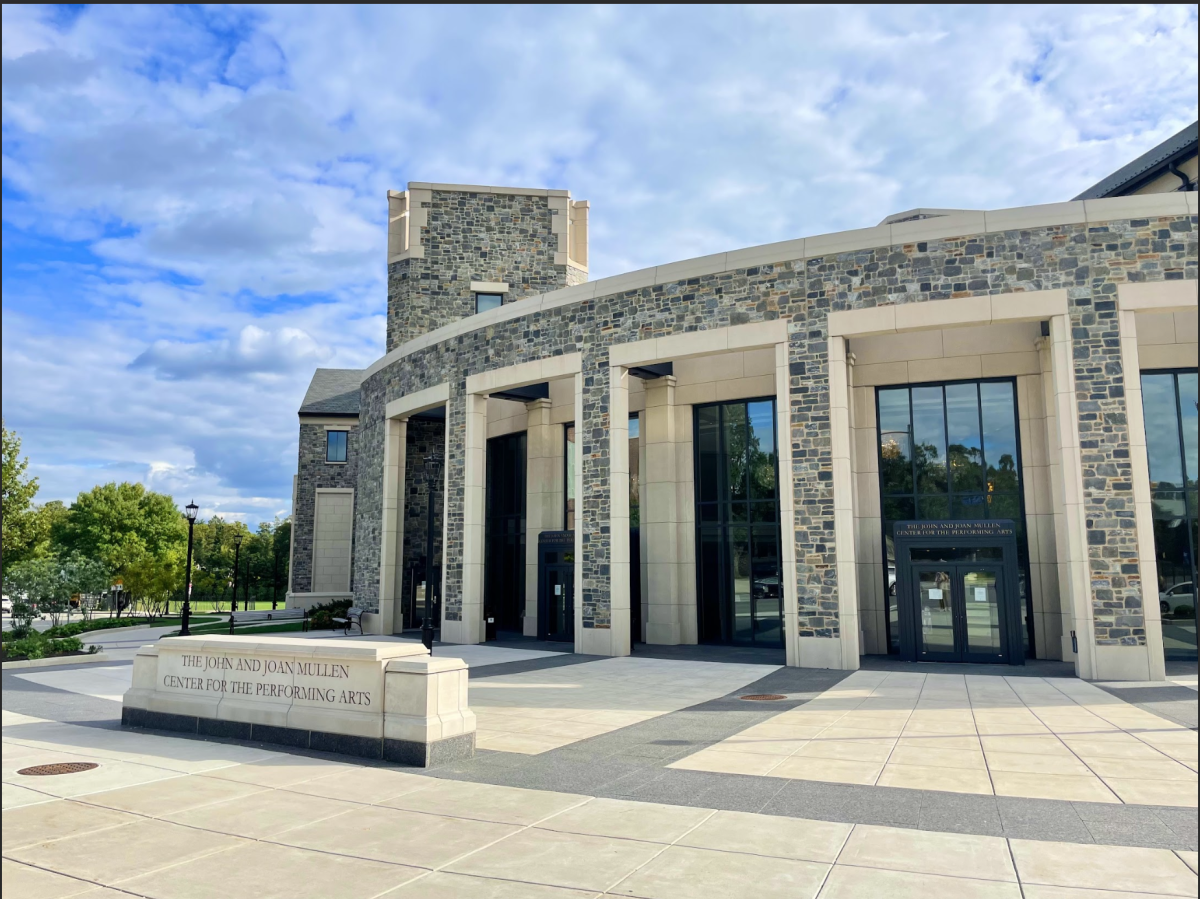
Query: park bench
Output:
(353,617)
(268,615)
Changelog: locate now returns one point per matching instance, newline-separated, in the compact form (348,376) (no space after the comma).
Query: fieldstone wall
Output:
(472,237)
(313,472)
(1087,260)
(424,437)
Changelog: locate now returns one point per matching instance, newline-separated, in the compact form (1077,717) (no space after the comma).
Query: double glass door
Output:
(959,614)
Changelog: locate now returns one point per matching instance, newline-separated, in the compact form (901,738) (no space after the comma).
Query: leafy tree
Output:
(19,520)
(152,580)
(119,523)
(40,583)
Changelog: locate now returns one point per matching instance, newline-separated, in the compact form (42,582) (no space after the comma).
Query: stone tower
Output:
(446,242)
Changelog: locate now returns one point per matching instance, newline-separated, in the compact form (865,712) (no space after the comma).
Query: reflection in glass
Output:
(569,468)
(998,409)
(1169,407)
(982,606)
(929,439)
(737,506)
(635,467)
(895,441)
(937,612)
(961,440)
(965,443)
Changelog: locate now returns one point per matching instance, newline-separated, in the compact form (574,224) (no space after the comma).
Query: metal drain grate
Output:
(764,697)
(58,768)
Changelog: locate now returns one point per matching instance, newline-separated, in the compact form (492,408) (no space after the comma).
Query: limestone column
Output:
(542,512)
(391,537)
(843,503)
(659,514)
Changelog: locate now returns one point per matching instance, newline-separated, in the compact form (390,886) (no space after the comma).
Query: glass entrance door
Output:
(959,613)
(560,601)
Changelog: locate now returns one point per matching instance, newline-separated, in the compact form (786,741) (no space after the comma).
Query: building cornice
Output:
(942,227)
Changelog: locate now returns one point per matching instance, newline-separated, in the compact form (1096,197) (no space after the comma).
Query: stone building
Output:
(959,435)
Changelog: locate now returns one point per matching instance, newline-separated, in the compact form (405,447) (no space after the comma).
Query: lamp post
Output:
(237,554)
(433,462)
(190,510)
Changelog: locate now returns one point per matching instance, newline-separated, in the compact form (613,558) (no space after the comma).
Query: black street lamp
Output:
(433,462)
(237,554)
(190,510)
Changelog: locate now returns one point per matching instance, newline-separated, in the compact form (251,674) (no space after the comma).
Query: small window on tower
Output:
(487,301)
(335,446)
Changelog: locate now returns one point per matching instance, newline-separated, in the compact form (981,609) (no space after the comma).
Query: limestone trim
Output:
(1038,305)
(331,422)
(759,335)
(486,189)
(318,493)
(421,401)
(489,287)
(843,503)
(948,226)
(391,556)
(525,373)
(1158,296)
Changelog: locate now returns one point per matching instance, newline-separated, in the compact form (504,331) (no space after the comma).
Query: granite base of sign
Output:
(373,699)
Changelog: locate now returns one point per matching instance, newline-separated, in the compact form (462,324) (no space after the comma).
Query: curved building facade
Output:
(947,437)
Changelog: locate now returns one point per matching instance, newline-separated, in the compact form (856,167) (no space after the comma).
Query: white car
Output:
(7,606)
(1174,597)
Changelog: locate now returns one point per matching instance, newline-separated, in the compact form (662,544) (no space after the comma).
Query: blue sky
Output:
(193,198)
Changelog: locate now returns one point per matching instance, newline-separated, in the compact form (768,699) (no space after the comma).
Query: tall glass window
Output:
(569,476)
(1169,404)
(635,471)
(950,452)
(737,524)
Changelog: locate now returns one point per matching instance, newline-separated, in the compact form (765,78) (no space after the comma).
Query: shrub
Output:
(39,646)
(320,617)
(1182,611)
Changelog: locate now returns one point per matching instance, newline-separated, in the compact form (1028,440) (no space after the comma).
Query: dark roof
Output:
(333,391)
(1146,167)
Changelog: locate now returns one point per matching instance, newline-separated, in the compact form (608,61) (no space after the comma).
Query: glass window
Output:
(929,439)
(1169,408)
(335,446)
(488,301)
(635,467)
(895,441)
(569,469)
(965,442)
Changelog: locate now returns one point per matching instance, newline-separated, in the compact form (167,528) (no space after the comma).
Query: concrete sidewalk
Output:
(178,819)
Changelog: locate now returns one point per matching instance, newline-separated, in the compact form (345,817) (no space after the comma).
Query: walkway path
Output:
(1038,738)
(178,818)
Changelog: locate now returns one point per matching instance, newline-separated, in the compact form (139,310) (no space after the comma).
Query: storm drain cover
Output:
(58,768)
(764,697)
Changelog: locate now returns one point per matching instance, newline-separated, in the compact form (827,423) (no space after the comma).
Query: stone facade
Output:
(313,472)
(424,437)
(471,236)
(1086,259)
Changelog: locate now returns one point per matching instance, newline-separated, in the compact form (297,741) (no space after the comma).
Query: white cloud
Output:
(194,213)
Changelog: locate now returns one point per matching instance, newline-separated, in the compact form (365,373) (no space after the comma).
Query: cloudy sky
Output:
(193,199)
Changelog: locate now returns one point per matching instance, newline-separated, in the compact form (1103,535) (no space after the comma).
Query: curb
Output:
(64,660)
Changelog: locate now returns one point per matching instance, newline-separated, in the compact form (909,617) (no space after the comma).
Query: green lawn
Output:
(222,627)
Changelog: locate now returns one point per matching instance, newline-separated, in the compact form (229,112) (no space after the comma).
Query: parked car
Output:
(1176,597)
(7,606)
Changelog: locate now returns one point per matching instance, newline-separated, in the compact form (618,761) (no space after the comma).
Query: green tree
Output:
(118,524)
(42,584)
(19,518)
(152,580)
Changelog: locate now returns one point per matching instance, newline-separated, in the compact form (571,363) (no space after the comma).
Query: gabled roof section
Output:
(333,391)
(1147,167)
